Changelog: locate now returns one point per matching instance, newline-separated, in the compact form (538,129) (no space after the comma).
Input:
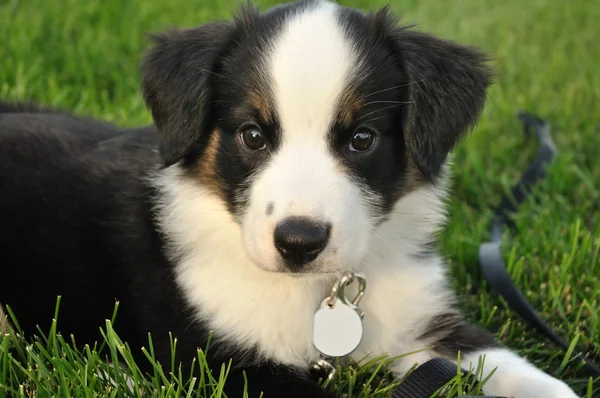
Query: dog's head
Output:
(311,122)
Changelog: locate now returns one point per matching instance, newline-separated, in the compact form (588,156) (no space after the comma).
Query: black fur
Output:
(76,212)
(270,208)
(177,86)
(451,335)
(447,90)
(77,222)
(382,89)
(197,81)
(421,95)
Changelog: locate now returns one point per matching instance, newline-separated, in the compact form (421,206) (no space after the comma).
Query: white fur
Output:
(273,311)
(515,377)
(308,64)
(224,267)
(240,301)
(229,282)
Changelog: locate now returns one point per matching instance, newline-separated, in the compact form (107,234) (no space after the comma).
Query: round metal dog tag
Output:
(338,329)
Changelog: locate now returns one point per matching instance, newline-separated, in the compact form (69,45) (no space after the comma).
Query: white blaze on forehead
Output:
(309,65)
(310,62)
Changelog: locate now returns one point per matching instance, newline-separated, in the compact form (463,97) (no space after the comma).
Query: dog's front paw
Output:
(529,383)
(514,376)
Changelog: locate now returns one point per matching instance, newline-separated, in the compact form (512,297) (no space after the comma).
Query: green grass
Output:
(84,55)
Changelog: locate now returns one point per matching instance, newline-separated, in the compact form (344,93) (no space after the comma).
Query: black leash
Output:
(431,376)
(428,379)
(490,253)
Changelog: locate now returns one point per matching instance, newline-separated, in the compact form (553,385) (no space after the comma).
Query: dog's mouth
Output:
(285,270)
(309,270)
(314,269)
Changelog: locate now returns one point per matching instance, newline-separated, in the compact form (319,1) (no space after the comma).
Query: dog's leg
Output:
(513,376)
(516,377)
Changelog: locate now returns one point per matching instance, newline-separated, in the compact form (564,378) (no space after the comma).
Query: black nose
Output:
(300,239)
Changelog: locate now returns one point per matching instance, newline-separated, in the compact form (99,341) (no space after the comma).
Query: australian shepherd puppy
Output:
(286,148)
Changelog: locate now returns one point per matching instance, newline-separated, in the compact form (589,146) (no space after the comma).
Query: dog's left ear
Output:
(177,76)
(447,86)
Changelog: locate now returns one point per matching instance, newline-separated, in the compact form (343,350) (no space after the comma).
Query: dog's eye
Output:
(253,139)
(362,141)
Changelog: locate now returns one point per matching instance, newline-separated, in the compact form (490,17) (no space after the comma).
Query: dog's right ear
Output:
(176,85)
(447,88)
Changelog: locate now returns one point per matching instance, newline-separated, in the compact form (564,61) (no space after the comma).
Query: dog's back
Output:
(60,180)
(22,107)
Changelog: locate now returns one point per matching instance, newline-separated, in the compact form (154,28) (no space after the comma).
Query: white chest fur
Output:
(274,312)
(255,309)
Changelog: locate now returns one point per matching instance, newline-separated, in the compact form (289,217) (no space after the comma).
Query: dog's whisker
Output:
(389,102)
(377,110)
(393,88)
(372,119)
(223,77)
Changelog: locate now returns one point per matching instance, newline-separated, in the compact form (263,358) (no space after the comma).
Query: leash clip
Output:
(339,290)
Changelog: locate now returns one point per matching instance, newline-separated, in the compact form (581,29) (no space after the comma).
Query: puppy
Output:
(286,148)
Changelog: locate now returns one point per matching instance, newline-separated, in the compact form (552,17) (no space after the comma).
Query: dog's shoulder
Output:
(24,107)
